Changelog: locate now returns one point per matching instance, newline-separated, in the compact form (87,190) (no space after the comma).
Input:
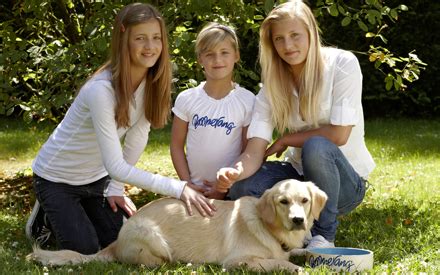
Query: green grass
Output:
(398,220)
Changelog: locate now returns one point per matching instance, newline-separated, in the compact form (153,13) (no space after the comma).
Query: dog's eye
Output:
(304,200)
(284,201)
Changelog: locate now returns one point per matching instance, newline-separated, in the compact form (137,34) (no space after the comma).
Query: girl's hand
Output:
(211,192)
(204,206)
(227,176)
(277,147)
(123,202)
(199,188)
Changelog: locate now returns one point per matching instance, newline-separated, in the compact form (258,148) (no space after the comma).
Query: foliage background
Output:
(49,48)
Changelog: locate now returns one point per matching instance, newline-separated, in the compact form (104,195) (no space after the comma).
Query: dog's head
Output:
(291,204)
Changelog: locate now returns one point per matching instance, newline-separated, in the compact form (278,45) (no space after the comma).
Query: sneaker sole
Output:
(31,220)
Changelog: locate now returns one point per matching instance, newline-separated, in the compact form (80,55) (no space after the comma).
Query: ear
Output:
(319,198)
(237,56)
(266,208)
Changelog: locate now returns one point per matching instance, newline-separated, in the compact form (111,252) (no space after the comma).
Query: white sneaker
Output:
(307,238)
(319,241)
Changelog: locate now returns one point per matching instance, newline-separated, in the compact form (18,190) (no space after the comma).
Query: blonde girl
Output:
(211,119)
(312,95)
(80,171)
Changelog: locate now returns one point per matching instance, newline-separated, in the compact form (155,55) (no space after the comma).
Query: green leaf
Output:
(362,26)
(341,9)
(403,7)
(393,14)
(370,34)
(333,10)
(346,21)
(388,84)
(10,111)
(268,5)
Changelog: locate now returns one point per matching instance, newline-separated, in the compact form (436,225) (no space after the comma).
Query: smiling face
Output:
(291,41)
(219,61)
(145,45)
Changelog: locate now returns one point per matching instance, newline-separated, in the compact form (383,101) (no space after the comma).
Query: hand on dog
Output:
(227,176)
(211,192)
(192,197)
(123,202)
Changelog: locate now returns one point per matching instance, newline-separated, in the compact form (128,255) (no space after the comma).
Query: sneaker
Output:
(319,241)
(37,227)
(307,238)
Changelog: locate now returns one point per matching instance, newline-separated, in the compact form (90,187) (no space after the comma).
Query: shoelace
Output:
(44,235)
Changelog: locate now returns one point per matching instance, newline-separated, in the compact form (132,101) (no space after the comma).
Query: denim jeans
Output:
(326,166)
(80,216)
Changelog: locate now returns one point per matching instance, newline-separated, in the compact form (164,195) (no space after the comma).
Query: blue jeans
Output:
(80,216)
(326,166)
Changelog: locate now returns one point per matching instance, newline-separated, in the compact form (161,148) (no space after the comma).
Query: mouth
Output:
(297,227)
(148,54)
(291,53)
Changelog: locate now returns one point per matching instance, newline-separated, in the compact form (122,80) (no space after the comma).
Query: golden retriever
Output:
(256,233)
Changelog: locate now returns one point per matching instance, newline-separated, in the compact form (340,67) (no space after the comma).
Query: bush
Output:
(49,48)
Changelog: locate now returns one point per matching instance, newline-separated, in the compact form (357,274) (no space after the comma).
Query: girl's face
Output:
(291,40)
(145,44)
(219,61)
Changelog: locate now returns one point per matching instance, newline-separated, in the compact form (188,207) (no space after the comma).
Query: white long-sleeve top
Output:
(340,105)
(86,145)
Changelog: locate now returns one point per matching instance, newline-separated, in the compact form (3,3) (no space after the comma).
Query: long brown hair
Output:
(277,76)
(157,98)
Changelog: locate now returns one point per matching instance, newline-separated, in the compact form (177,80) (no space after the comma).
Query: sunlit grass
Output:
(398,220)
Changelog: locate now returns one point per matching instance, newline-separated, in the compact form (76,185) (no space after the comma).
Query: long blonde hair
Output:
(277,75)
(157,97)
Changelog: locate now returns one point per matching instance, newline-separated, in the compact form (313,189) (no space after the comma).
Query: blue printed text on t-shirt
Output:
(205,121)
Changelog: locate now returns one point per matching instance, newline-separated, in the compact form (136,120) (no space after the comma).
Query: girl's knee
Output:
(317,147)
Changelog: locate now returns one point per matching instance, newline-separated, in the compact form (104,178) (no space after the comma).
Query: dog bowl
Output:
(341,258)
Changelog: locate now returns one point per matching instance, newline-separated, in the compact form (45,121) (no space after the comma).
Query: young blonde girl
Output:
(312,96)
(83,164)
(212,118)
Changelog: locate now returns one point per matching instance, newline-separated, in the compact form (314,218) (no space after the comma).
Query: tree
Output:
(50,47)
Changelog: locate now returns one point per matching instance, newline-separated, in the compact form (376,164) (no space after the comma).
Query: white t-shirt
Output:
(86,145)
(341,105)
(214,138)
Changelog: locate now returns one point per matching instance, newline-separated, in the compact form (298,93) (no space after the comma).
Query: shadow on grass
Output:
(392,232)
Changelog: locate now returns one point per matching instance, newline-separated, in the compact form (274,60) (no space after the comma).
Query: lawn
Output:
(399,219)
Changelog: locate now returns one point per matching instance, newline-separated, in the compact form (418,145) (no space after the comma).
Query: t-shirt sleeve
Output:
(347,90)
(180,106)
(250,103)
(261,124)
(113,157)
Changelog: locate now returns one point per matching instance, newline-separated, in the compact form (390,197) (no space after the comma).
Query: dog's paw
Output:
(298,252)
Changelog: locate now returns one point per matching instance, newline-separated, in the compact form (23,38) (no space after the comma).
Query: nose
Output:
(297,220)
(148,44)
(288,42)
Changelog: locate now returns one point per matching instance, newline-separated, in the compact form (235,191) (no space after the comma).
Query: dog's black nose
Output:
(298,220)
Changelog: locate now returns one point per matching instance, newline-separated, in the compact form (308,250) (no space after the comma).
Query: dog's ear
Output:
(266,208)
(319,198)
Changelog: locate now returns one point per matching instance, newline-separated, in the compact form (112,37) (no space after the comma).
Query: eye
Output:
(284,201)
(278,38)
(305,200)
(158,38)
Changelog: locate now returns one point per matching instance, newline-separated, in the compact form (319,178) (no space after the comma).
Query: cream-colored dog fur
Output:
(257,233)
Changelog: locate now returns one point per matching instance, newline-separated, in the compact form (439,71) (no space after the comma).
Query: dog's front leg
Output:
(261,265)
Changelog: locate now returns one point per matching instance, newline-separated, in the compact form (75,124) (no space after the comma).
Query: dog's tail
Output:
(64,257)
